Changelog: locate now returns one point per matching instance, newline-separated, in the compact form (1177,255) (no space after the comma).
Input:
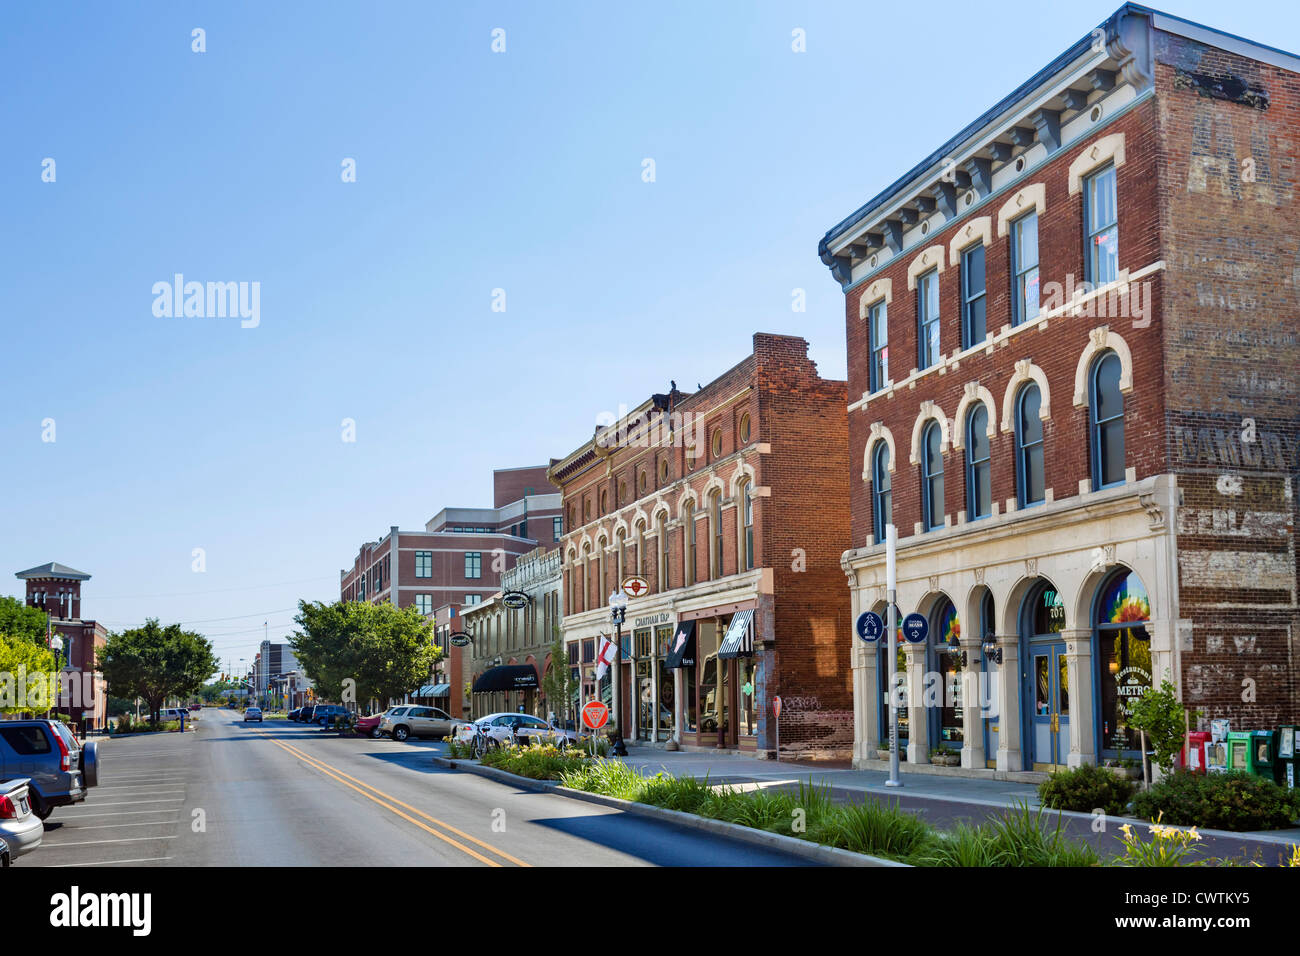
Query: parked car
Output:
(414,720)
(324,714)
(169,714)
(304,715)
(294,714)
(5,856)
(523,727)
(369,726)
(20,829)
(253,713)
(59,770)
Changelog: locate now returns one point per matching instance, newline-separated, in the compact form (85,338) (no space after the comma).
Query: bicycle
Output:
(483,741)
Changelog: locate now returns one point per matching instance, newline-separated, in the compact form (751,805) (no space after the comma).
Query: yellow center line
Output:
(357,785)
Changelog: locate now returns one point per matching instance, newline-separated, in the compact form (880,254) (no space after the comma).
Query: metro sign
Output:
(635,586)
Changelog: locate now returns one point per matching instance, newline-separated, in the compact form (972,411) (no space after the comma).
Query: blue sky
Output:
(475,171)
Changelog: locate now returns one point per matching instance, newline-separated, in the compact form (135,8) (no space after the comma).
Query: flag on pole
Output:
(605,657)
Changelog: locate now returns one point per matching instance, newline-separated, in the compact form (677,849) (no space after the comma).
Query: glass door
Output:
(1051,702)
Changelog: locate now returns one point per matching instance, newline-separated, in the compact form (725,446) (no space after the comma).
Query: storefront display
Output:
(1124,660)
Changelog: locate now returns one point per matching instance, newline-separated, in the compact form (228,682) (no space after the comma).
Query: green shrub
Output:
(1235,800)
(1085,789)
(874,828)
(1020,834)
(536,761)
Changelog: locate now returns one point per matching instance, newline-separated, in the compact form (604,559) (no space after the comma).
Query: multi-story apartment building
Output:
(1072,347)
(461,554)
(56,589)
(512,632)
(732,504)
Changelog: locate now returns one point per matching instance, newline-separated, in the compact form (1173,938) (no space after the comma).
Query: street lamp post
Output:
(56,645)
(617,612)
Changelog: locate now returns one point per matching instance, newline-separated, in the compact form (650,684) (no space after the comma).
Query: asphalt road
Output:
(281,794)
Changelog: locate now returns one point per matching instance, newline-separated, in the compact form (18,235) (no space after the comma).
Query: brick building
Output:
(1072,360)
(732,504)
(513,635)
(56,589)
(460,556)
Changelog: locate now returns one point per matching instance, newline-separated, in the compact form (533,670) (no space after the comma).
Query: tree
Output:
(1161,716)
(20,621)
(558,683)
(155,662)
(26,669)
(355,651)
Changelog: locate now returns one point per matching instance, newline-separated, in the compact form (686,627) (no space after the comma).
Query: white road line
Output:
(133,803)
(125,813)
(129,840)
(146,859)
(130,790)
(114,826)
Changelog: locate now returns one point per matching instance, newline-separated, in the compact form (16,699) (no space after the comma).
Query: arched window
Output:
(747,521)
(621,535)
(1030,482)
(1106,413)
(1124,665)
(979,487)
(601,547)
(882,512)
(604,501)
(640,547)
(932,476)
(715,508)
(945,638)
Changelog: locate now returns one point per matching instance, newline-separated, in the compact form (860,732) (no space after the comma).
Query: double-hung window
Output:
(979,488)
(424,564)
(932,476)
(473,564)
(1106,411)
(927,316)
(882,513)
(424,603)
(1024,267)
(878,331)
(1030,479)
(973,297)
(1101,227)
(557,528)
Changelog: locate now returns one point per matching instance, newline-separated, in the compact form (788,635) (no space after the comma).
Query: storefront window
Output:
(709,696)
(1049,613)
(748,688)
(947,638)
(666,696)
(1124,657)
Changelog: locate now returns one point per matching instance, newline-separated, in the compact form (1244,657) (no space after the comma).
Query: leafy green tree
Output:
(558,683)
(155,662)
(1160,714)
(355,651)
(20,621)
(35,664)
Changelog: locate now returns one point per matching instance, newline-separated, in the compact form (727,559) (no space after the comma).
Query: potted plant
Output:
(944,757)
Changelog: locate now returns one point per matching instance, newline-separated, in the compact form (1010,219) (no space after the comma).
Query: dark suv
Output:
(61,770)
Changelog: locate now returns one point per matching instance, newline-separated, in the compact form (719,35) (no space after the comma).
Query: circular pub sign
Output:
(595,714)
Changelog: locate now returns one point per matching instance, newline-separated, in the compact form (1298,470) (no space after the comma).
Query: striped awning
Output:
(433,690)
(739,641)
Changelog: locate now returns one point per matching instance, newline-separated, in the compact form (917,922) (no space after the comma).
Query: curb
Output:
(830,856)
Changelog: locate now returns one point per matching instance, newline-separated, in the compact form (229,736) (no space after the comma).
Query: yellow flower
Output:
(1126,830)
(1193,834)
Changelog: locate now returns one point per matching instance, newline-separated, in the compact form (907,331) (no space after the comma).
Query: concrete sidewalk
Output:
(944,801)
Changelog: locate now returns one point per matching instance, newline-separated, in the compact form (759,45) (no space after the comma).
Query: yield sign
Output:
(635,586)
(594,714)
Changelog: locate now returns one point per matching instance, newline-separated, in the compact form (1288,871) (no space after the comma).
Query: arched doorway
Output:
(946,728)
(1122,650)
(1045,690)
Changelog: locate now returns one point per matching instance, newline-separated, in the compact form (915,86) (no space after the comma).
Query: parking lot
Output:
(136,813)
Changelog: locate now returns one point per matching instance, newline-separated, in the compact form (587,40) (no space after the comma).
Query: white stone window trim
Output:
(881,290)
(930,411)
(929,258)
(1105,150)
(977,230)
(1101,340)
(1027,199)
(879,432)
(1026,371)
(974,394)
